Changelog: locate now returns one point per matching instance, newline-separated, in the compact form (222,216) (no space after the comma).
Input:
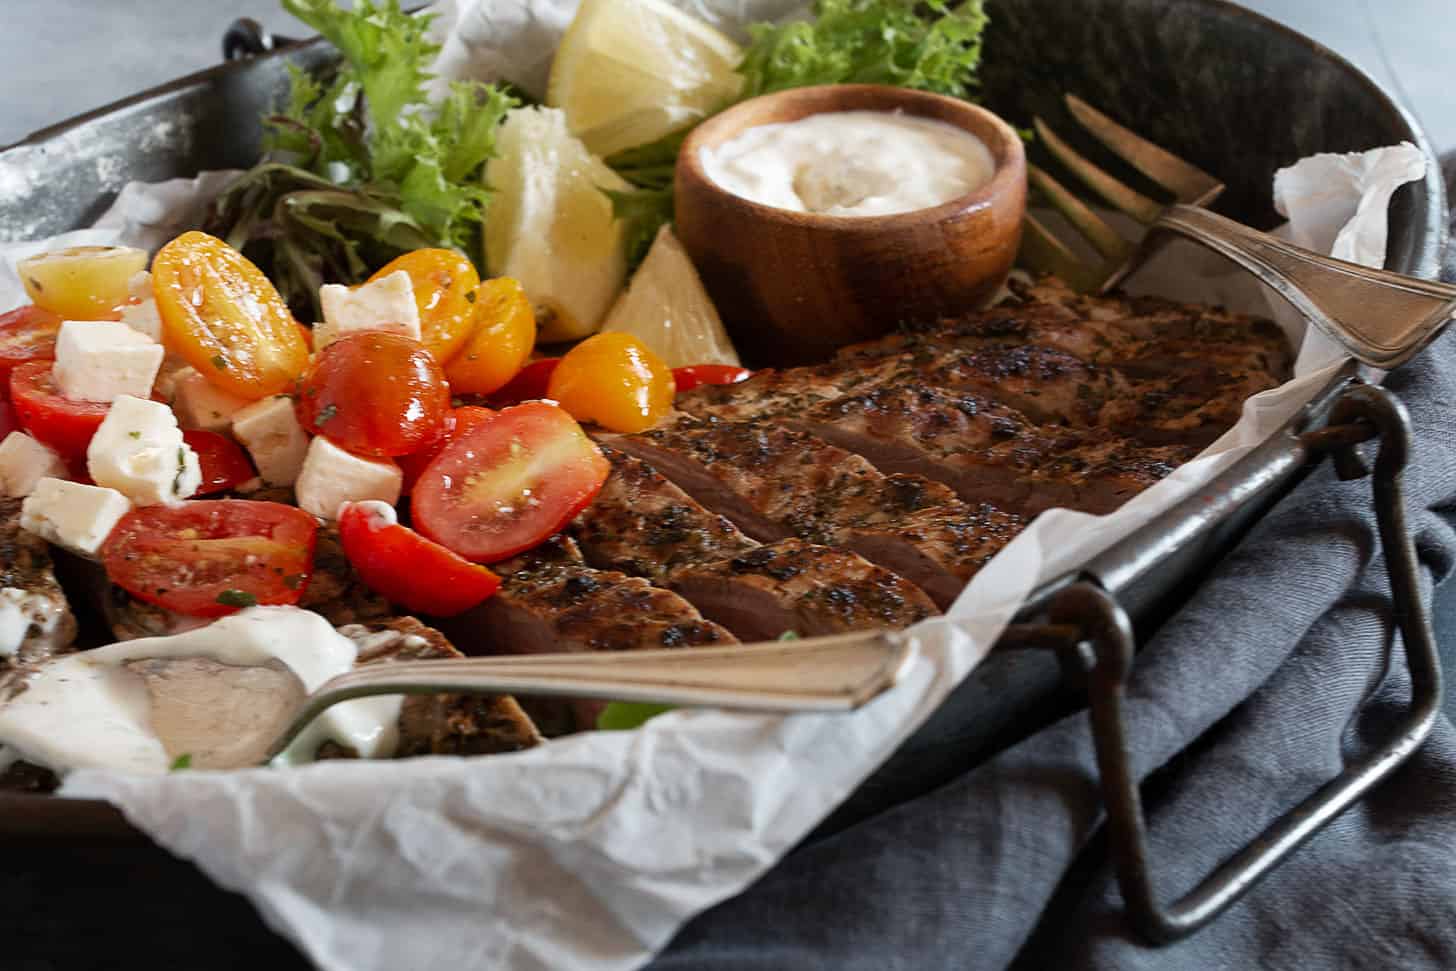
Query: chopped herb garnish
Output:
(470,296)
(134,434)
(181,470)
(789,635)
(326,414)
(621,716)
(183,761)
(219,362)
(237,598)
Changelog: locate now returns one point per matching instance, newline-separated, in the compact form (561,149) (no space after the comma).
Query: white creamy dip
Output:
(87,710)
(851,163)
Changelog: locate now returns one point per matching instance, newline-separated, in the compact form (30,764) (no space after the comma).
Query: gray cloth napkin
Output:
(1281,667)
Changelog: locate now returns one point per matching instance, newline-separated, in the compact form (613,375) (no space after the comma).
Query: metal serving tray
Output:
(1131,56)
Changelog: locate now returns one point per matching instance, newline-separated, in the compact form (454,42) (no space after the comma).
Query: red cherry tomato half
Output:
(509,484)
(457,422)
(529,384)
(27,334)
(224,464)
(697,375)
(64,424)
(375,393)
(210,557)
(401,565)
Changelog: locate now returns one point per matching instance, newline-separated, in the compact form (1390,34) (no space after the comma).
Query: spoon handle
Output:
(827,674)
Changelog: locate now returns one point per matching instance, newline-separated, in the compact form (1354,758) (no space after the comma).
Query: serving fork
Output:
(1380,318)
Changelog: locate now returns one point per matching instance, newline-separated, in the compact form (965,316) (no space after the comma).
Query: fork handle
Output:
(826,674)
(1380,318)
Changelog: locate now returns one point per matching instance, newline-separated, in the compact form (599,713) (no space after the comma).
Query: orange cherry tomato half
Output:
(444,284)
(697,375)
(65,424)
(529,384)
(501,341)
(509,484)
(375,393)
(457,422)
(224,464)
(223,316)
(615,381)
(27,334)
(401,565)
(210,557)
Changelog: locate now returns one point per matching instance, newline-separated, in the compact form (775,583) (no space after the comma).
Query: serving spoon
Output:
(226,717)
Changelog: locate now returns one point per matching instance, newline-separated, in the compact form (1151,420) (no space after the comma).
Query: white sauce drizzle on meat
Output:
(88,710)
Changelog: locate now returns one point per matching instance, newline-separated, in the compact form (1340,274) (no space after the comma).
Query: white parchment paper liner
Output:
(590,852)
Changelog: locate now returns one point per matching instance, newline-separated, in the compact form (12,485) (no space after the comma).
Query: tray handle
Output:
(245,37)
(1104,646)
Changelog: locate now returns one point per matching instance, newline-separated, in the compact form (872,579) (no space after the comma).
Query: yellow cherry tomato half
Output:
(615,381)
(444,284)
(504,333)
(82,282)
(223,316)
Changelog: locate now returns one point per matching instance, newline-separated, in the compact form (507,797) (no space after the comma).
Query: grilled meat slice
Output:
(777,483)
(643,525)
(801,587)
(550,604)
(989,453)
(35,618)
(445,724)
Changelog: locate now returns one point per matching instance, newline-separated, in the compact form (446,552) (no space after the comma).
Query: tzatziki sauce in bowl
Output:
(822,216)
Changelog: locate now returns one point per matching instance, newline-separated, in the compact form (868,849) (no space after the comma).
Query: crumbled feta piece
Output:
(75,516)
(332,477)
(144,319)
(97,360)
(386,304)
(139,452)
(201,404)
(24,462)
(270,431)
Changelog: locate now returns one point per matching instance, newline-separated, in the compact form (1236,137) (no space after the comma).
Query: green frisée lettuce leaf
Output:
(361,167)
(929,45)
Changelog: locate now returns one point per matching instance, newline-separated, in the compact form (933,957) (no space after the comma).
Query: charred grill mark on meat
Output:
(644,525)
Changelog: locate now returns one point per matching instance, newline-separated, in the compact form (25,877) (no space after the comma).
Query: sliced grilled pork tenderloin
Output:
(643,525)
(776,483)
(35,617)
(989,453)
(445,724)
(550,602)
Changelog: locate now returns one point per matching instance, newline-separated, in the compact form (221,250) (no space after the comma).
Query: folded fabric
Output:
(1282,667)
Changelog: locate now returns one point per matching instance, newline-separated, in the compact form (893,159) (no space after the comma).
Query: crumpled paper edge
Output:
(589,852)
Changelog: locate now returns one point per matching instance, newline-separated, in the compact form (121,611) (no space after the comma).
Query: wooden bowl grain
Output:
(792,286)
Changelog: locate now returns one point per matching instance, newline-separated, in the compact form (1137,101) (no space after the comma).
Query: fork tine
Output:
(1080,215)
(1042,252)
(1190,184)
(1130,201)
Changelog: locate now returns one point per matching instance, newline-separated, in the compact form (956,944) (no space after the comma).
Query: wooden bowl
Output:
(793,286)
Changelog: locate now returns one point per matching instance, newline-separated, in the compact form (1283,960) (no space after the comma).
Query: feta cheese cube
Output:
(270,431)
(386,304)
(144,319)
(201,404)
(139,452)
(75,516)
(98,360)
(332,477)
(24,462)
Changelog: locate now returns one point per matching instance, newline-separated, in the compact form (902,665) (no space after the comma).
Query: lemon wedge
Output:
(628,72)
(549,225)
(666,308)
